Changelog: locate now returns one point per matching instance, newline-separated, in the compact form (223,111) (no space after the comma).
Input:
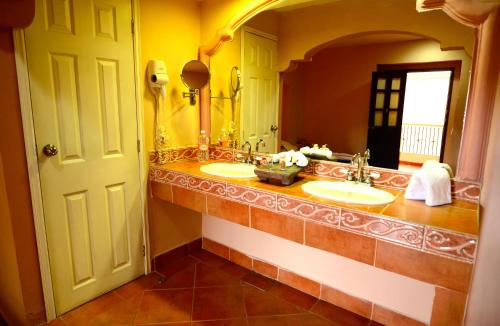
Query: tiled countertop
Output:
(450,230)
(459,216)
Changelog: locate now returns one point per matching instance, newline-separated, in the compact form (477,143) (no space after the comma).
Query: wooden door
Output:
(385,118)
(81,70)
(259,110)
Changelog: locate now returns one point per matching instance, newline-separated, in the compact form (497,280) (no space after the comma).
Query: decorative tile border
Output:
(465,190)
(207,185)
(252,196)
(429,239)
(387,229)
(450,244)
(304,209)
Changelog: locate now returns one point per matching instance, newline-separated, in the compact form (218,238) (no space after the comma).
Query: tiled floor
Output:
(204,289)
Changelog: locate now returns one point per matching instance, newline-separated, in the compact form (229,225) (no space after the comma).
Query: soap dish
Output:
(275,175)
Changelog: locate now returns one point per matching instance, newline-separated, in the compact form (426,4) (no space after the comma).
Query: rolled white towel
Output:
(431,183)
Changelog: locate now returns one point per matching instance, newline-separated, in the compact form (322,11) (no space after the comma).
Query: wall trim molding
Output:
(32,158)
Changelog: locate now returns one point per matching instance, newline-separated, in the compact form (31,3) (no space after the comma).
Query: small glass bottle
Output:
(223,138)
(203,142)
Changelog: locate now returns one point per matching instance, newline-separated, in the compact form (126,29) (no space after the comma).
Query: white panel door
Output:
(259,111)
(81,70)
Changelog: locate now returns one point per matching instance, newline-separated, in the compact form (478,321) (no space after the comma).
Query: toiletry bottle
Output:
(223,138)
(203,142)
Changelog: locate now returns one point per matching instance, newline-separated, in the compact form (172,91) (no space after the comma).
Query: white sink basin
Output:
(229,170)
(348,192)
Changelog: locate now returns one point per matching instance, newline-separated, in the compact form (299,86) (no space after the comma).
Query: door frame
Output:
(455,66)
(272,37)
(32,156)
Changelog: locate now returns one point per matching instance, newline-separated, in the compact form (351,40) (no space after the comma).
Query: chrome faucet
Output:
(359,163)
(249,156)
(261,141)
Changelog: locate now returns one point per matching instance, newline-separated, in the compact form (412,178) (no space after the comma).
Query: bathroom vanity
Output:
(403,255)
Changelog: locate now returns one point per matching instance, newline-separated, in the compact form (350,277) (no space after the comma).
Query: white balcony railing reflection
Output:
(423,139)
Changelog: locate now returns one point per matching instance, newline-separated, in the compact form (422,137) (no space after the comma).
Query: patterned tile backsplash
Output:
(463,190)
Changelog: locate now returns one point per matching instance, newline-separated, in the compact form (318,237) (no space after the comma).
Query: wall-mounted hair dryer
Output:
(157,77)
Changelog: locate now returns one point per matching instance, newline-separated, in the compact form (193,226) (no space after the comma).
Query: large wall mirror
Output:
(351,75)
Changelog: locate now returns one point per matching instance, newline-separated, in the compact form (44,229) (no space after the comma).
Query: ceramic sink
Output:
(348,192)
(229,170)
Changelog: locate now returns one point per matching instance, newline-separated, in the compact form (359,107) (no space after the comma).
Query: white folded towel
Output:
(291,157)
(431,183)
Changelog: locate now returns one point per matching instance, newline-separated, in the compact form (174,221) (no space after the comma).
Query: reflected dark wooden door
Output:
(385,119)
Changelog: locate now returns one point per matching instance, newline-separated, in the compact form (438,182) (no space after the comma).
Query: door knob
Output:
(274,128)
(50,150)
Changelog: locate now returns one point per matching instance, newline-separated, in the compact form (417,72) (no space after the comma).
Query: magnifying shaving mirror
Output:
(235,81)
(195,75)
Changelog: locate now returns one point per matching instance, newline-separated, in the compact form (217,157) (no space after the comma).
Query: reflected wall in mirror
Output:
(325,60)
(195,75)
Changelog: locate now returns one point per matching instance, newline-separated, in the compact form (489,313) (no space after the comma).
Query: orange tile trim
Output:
(429,239)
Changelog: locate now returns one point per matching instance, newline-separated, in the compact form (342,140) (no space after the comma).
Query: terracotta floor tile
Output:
(88,311)
(171,268)
(259,281)
(218,303)
(222,322)
(136,287)
(338,315)
(294,320)
(160,306)
(315,320)
(260,303)
(296,297)
(122,313)
(234,270)
(207,276)
(55,322)
(179,280)
(208,258)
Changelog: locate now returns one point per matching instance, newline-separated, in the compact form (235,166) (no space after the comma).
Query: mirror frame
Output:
(472,154)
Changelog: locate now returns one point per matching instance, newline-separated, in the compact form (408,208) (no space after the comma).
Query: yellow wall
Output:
(171,226)
(304,29)
(170,31)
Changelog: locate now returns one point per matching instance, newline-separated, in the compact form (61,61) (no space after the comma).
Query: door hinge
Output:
(143,251)
(132,25)
(138,146)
